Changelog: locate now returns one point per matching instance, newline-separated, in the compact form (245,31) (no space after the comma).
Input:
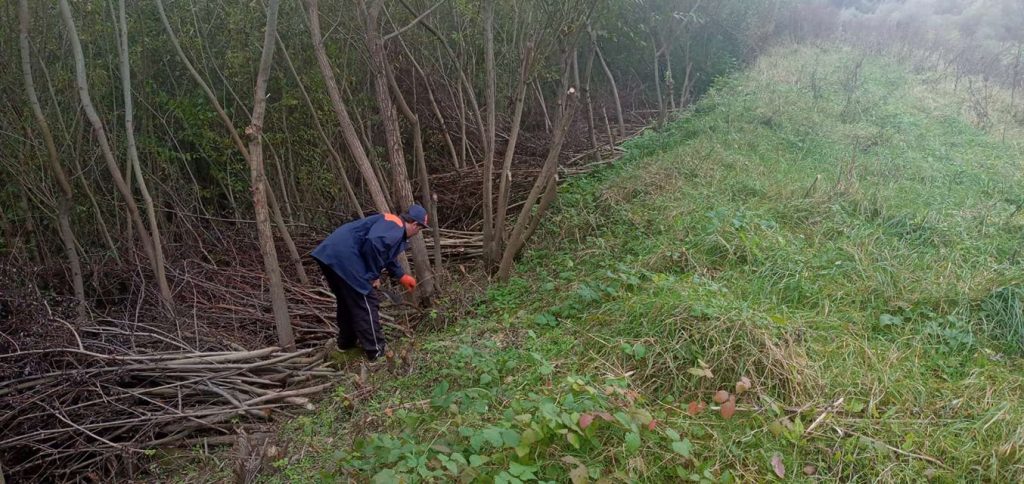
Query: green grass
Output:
(824,230)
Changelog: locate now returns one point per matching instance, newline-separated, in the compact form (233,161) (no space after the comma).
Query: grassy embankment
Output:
(828,225)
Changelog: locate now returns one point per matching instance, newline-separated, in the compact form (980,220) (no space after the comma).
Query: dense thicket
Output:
(461,102)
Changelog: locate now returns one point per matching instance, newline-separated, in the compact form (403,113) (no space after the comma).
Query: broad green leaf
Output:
(890,320)
(521,471)
(510,438)
(385,476)
(573,439)
(529,437)
(493,436)
(632,442)
(683,447)
(478,460)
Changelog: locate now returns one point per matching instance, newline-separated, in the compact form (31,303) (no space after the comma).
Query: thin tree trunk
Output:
(108,155)
(396,157)
(440,119)
(590,107)
(608,129)
(64,203)
(684,96)
(669,83)
(611,81)
(462,127)
(545,201)
(421,167)
(335,157)
(543,105)
(662,114)
(541,187)
(133,156)
(254,132)
(293,252)
(341,112)
(376,161)
(510,149)
(490,247)
(280,182)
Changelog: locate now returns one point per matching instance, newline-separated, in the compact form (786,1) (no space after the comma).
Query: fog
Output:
(979,20)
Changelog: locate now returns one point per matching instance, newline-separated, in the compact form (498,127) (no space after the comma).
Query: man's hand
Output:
(408,281)
(375,283)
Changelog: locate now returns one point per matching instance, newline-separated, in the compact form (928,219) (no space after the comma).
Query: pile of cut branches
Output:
(81,397)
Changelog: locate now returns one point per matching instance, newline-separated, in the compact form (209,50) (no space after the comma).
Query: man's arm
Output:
(395,269)
(381,238)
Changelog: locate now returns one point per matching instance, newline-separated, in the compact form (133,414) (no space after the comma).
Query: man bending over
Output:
(352,259)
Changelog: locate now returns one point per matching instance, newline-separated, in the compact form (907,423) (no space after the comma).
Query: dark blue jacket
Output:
(358,251)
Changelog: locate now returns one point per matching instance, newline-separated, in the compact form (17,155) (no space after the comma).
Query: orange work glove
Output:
(408,281)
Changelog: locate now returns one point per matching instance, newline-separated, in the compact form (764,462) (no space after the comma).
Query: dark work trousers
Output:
(358,316)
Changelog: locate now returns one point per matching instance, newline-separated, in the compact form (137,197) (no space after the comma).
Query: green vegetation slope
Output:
(826,224)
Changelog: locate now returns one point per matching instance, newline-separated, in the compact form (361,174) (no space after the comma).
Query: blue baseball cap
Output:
(417,214)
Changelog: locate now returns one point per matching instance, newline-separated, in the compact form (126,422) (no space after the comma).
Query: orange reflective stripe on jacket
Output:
(394,218)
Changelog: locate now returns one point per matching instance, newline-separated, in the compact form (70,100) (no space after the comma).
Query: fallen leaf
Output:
(810,470)
(695,408)
(778,466)
(721,396)
(579,475)
(568,459)
(742,386)
(607,417)
(585,421)
(704,372)
(728,408)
